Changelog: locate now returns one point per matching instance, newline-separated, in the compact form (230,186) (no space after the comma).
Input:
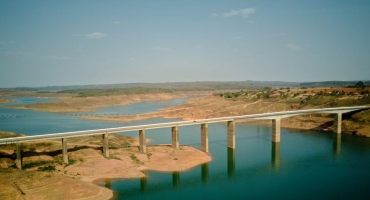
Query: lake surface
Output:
(304,165)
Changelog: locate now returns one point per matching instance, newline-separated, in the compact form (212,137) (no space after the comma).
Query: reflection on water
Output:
(307,161)
(205,172)
(143,183)
(336,143)
(231,162)
(107,183)
(275,154)
(176,179)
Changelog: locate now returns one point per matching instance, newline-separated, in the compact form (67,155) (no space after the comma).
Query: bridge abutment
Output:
(276,130)
(65,150)
(338,123)
(204,137)
(231,134)
(175,137)
(142,141)
(105,145)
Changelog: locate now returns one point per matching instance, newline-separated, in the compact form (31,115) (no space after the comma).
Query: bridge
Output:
(274,116)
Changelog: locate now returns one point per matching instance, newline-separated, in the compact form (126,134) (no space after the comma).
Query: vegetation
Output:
(305,97)
(135,159)
(35,164)
(48,168)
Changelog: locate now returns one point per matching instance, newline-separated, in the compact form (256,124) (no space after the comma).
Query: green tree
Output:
(360,84)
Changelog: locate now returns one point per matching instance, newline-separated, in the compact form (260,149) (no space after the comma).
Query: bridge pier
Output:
(175,137)
(231,134)
(65,150)
(105,145)
(276,130)
(142,141)
(338,123)
(204,137)
(18,160)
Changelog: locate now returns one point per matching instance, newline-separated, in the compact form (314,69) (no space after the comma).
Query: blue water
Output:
(33,123)
(305,165)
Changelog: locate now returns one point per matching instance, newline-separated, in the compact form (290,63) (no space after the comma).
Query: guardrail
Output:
(274,116)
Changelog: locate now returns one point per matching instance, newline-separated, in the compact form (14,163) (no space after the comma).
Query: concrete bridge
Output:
(274,116)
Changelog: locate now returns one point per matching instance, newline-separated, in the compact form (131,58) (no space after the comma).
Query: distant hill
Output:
(197,86)
(175,86)
(332,83)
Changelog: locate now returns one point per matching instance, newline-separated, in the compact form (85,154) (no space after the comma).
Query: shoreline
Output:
(87,166)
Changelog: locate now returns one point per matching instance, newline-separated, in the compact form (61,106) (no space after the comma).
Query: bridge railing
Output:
(272,115)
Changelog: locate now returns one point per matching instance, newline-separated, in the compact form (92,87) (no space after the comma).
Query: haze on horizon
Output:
(44,43)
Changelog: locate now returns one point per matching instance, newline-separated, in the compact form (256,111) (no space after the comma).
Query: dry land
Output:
(88,104)
(45,176)
(243,103)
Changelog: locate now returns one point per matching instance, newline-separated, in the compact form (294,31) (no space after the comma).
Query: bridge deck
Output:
(273,115)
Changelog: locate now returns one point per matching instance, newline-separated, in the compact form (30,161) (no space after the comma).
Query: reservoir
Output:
(304,165)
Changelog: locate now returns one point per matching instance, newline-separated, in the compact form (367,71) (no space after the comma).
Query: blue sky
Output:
(48,43)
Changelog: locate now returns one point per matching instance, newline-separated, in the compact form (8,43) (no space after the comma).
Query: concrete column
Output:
(142,141)
(338,123)
(231,134)
(105,145)
(204,137)
(65,150)
(18,160)
(276,130)
(175,137)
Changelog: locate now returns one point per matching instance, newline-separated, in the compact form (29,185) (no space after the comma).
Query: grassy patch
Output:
(114,157)
(135,159)
(71,162)
(35,164)
(48,168)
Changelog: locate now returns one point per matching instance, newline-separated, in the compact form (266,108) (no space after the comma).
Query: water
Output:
(33,123)
(305,165)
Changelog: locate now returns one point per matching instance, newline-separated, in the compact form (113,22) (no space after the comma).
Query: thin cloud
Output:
(4,42)
(244,13)
(237,38)
(162,49)
(95,35)
(214,15)
(293,47)
(26,55)
(115,22)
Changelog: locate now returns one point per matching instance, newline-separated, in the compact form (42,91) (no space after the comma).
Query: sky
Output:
(58,43)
